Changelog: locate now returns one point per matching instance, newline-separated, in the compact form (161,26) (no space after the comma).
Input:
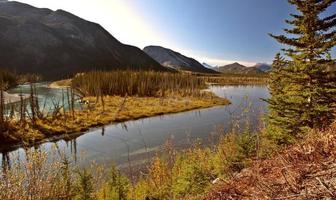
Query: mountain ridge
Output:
(263,67)
(237,68)
(57,44)
(172,59)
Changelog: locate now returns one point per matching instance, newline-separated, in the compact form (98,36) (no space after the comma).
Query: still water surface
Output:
(139,139)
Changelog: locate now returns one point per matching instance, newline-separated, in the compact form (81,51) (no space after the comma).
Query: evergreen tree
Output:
(302,88)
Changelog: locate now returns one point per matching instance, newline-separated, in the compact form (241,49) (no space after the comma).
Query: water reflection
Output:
(136,141)
(48,98)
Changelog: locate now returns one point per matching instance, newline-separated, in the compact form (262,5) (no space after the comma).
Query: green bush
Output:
(84,187)
(192,172)
(116,186)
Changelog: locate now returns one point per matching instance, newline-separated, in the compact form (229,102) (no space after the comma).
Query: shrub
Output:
(116,186)
(192,172)
(233,152)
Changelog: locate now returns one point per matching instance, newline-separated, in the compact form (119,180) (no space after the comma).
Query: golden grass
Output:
(61,83)
(231,79)
(116,109)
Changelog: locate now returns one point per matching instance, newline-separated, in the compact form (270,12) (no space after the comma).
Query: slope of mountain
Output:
(172,59)
(236,68)
(263,67)
(57,43)
(207,65)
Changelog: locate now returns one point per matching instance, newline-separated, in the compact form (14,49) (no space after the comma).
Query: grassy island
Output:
(108,97)
(116,109)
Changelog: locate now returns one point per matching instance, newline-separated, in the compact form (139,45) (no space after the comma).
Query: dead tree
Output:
(2,105)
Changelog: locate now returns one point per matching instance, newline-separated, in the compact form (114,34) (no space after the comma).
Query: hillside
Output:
(207,65)
(263,67)
(58,44)
(175,60)
(236,68)
(305,170)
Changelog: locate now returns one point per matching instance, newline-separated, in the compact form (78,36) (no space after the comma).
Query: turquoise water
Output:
(48,97)
(138,140)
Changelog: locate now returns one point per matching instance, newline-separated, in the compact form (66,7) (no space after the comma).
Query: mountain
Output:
(56,44)
(236,68)
(263,67)
(175,60)
(207,65)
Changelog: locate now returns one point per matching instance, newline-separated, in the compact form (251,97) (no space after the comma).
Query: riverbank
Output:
(60,84)
(236,168)
(114,109)
(236,79)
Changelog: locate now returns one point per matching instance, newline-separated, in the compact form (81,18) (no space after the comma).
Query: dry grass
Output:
(60,83)
(115,109)
(305,170)
(139,83)
(42,176)
(237,79)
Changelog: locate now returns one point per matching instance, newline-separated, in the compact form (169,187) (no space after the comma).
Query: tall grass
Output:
(235,79)
(188,174)
(7,78)
(173,174)
(140,83)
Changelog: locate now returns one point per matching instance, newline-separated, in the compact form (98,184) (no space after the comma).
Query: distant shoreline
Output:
(13,98)
(60,84)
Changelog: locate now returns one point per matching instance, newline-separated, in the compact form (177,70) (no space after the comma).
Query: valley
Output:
(167,100)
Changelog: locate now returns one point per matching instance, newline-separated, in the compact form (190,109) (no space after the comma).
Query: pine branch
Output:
(288,41)
(329,18)
(295,31)
(324,4)
(326,25)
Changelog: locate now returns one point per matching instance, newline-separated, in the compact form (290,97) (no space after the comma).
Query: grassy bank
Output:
(113,109)
(305,170)
(240,166)
(234,79)
(60,84)
(129,82)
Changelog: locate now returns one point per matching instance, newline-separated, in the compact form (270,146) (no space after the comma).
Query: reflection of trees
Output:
(5,161)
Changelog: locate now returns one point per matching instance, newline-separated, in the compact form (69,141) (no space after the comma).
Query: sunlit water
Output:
(137,140)
(48,98)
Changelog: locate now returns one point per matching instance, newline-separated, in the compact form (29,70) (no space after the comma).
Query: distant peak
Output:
(170,58)
(154,46)
(237,63)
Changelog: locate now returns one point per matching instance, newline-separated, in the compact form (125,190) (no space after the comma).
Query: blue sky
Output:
(213,31)
(222,29)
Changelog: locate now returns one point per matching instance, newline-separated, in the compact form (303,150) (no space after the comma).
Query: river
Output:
(138,140)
